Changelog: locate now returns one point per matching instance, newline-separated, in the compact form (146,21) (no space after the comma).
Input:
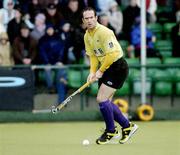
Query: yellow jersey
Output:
(101,41)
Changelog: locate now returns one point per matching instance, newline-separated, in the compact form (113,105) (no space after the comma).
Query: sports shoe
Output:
(128,132)
(106,137)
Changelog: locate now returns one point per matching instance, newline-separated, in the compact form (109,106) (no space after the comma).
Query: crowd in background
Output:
(52,32)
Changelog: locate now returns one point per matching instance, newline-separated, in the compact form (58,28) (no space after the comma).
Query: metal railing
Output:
(81,68)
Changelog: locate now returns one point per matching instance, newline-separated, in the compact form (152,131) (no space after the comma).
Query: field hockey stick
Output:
(60,106)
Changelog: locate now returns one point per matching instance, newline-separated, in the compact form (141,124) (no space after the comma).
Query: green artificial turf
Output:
(152,138)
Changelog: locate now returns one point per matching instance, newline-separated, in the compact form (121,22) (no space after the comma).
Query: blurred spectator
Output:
(26,15)
(162,2)
(44,3)
(51,48)
(72,13)
(124,3)
(1,4)
(5,51)
(151,8)
(7,12)
(177,5)
(38,32)
(82,3)
(56,2)
(23,5)
(175,36)
(27,20)
(2,28)
(52,53)
(118,2)
(53,16)
(33,9)
(39,29)
(129,14)
(103,5)
(178,16)
(104,20)
(115,18)
(79,49)
(65,36)
(13,28)
(88,3)
(63,3)
(24,49)
(136,41)
(166,11)
(177,10)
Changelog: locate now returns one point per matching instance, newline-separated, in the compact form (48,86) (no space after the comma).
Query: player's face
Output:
(89,19)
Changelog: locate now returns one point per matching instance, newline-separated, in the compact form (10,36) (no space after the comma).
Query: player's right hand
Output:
(91,77)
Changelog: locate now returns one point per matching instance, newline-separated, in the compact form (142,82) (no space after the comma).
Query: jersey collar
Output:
(91,32)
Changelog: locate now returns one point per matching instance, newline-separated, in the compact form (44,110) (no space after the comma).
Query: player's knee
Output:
(100,99)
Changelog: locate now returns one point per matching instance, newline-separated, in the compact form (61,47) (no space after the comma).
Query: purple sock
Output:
(107,113)
(119,117)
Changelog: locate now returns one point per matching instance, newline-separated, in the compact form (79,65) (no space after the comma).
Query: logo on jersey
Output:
(111,45)
(98,52)
(109,83)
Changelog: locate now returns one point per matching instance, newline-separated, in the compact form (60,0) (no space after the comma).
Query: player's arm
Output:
(93,63)
(93,68)
(111,50)
(108,60)
(93,60)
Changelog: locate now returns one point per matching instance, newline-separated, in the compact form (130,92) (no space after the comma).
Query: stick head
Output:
(54,109)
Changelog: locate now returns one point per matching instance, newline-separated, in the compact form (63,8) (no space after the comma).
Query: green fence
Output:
(163,80)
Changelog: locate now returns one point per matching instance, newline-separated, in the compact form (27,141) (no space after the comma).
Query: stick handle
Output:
(60,106)
(84,86)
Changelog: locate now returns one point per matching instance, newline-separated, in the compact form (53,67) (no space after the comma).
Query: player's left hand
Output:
(99,74)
